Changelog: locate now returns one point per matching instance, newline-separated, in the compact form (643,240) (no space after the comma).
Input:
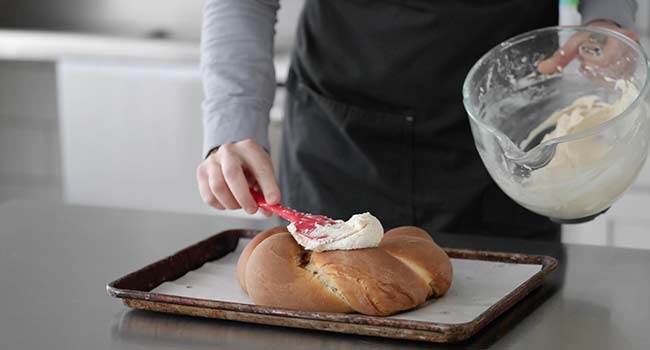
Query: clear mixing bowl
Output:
(570,178)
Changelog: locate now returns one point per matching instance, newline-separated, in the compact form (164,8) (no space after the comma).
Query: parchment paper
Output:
(475,287)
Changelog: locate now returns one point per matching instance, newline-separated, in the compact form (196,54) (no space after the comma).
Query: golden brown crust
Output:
(245,254)
(275,277)
(372,281)
(410,231)
(405,270)
(414,247)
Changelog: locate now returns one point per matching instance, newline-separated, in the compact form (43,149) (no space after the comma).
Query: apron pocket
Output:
(345,159)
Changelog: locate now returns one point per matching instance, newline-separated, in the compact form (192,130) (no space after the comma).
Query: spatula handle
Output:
(277,209)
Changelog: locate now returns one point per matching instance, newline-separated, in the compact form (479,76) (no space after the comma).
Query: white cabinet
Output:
(29,136)
(131,134)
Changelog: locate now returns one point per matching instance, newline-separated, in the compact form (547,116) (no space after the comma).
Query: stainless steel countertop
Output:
(55,260)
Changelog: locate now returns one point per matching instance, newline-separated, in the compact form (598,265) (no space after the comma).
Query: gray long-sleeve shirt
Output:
(239,75)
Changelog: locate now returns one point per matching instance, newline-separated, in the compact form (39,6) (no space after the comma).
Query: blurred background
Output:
(100,105)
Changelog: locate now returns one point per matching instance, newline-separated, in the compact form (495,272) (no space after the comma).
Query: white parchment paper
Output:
(475,287)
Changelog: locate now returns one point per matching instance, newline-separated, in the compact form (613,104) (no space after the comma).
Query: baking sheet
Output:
(476,285)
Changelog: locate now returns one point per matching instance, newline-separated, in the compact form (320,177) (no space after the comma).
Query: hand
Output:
(225,177)
(593,61)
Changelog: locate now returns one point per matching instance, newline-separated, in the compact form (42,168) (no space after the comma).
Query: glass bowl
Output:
(568,177)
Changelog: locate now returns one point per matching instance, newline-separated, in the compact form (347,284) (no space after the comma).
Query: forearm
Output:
(622,12)
(237,70)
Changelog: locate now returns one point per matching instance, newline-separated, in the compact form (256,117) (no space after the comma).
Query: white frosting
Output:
(585,175)
(360,231)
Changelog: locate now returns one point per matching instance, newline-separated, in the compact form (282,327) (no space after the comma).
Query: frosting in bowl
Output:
(587,174)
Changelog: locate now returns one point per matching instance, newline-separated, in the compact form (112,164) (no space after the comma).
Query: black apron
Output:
(374,118)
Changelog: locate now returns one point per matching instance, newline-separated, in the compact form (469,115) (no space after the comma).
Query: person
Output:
(373,118)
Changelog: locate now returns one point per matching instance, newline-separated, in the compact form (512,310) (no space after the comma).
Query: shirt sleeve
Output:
(620,11)
(237,70)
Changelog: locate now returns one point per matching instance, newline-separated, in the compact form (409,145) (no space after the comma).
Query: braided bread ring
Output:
(403,272)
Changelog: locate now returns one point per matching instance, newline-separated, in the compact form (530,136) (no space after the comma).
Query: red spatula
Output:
(305,223)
